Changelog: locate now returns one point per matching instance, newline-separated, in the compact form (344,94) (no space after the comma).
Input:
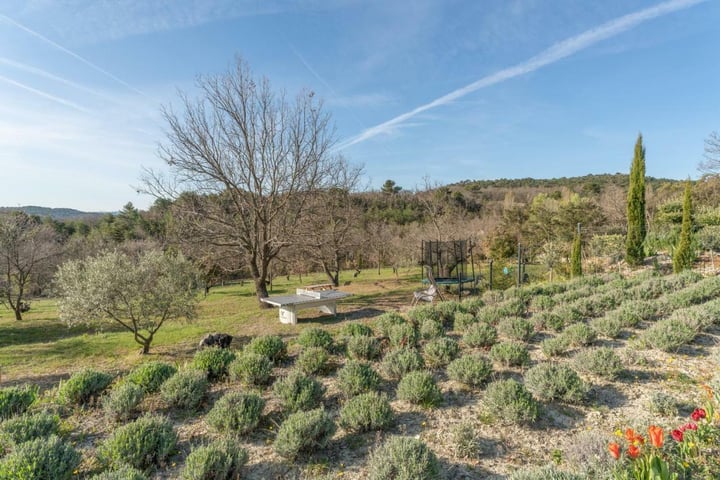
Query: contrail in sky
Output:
(62,101)
(549,56)
(71,53)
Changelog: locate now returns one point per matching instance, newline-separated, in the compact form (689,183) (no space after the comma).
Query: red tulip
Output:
(633,451)
(697,414)
(614,450)
(689,426)
(677,434)
(656,436)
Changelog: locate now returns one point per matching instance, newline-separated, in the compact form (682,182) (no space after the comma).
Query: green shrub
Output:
(304,432)
(389,319)
(83,386)
(251,368)
(542,302)
(271,346)
(123,472)
(471,305)
(547,381)
(602,361)
(123,400)
(297,391)
(516,328)
(40,459)
(185,390)
(430,328)
(567,313)
(365,412)
(510,402)
(548,472)
(315,337)
(313,360)
(403,458)
(440,352)
(214,361)
(555,346)
(147,441)
(463,321)
(630,314)
(400,361)
(363,347)
(480,334)
(661,403)
(356,377)
(608,326)
(221,459)
(419,387)
(492,297)
(151,375)
(471,370)
(236,412)
(465,441)
(510,354)
(424,312)
(490,315)
(403,335)
(355,330)
(668,335)
(28,427)
(447,310)
(579,335)
(16,400)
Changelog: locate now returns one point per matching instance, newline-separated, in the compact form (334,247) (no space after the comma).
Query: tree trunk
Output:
(146,347)
(261,292)
(18,314)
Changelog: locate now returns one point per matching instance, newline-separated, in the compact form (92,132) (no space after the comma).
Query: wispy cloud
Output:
(547,57)
(43,94)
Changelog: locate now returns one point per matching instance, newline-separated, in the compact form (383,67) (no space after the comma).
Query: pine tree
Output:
(636,228)
(684,255)
(576,256)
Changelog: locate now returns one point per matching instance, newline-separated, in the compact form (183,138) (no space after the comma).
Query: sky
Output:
(420,91)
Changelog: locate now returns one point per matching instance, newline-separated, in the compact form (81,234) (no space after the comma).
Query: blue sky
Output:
(438,90)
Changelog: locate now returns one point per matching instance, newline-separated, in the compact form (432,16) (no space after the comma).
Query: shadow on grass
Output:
(460,471)
(608,396)
(23,333)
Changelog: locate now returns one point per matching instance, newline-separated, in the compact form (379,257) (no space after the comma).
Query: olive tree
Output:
(245,161)
(139,293)
(28,248)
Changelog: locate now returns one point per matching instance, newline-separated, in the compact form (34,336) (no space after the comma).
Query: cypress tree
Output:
(576,256)
(636,229)
(684,255)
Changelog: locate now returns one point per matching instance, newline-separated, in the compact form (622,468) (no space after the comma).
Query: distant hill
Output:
(592,181)
(64,214)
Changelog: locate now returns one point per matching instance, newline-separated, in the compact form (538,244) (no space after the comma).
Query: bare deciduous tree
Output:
(26,247)
(252,158)
(711,165)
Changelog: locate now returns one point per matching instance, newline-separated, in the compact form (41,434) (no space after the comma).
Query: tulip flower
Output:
(677,435)
(633,451)
(614,449)
(697,414)
(656,436)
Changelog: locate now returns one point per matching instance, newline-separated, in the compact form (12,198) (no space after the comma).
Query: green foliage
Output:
(555,346)
(403,458)
(146,442)
(463,320)
(668,335)
(420,313)
(661,403)
(684,254)
(389,319)
(608,326)
(576,257)
(602,361)
(304,432)
(447,310)
(123,400)
(271,346)
(185,390)
(480,334)
(40,459)
(16,400)
(548,472)
(431,328)
(251,368)
(465,441)
(356,377)
(219,460)
(636,229)
(355,330)
(419,387)
(510,354)
(579,335)
(440,351)
(83,386)
(28,427)
(516,328)
(548,381)
(315,337)
(313,360)
(140,293)
(122,472)
(214,361)
(151,375)
(509,402)
(366,412)
(471,305)
(363,347)
(400,361)
(297,391)
(471,369)
(236,412)
(403,335)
